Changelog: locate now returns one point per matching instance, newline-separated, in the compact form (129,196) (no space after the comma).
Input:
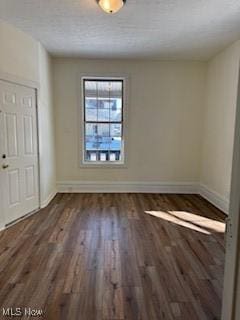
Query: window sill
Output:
(88,165)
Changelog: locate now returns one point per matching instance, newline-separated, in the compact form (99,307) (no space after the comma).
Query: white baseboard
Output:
(216,199)
(45,202)
(26,216)
(128,187)
(137,187)
(144,187)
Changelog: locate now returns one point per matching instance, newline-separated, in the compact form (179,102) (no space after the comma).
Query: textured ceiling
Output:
(156,29)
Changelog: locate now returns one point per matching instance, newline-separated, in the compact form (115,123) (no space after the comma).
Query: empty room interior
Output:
(119,159)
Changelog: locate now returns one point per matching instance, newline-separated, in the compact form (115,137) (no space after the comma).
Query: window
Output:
(103,108)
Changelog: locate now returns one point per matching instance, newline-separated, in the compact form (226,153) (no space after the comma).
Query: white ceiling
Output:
(156,29)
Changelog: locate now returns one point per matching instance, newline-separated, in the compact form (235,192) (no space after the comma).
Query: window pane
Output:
(92,156)
(116,144)
(116,89)
(115,130)
(91,129)
(103,130)
(116,109)
(98,129)
(103,105)
(91,143)
(91,114)
(103,110)
(103,156)
(104,88)
(104,145)
(104,115)
(114,156)
(90,88)
(91,103)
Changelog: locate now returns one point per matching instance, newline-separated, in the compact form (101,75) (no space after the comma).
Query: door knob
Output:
(5,166)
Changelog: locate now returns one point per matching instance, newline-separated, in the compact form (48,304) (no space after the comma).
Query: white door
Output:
(18,151)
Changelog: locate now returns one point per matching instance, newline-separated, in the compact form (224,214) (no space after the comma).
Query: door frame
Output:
(36,87)
(232,257)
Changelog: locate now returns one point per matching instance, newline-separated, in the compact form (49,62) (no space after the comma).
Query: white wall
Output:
(18,53)
(219,121)
(165,119)
(23,58)
(178,132)
(46,129)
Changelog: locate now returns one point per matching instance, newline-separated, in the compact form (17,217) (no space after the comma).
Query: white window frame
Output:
(102,164)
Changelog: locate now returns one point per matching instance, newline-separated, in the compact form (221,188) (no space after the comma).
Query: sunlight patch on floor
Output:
(190,221)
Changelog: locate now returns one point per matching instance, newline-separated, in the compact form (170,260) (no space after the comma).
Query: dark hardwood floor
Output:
(116,256)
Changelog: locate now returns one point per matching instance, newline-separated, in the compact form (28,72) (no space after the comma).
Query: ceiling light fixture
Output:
(111,6)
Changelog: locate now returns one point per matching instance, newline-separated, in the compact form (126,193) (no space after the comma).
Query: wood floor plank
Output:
(116,257)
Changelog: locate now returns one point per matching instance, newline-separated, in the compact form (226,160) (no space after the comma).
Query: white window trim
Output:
(99,164)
